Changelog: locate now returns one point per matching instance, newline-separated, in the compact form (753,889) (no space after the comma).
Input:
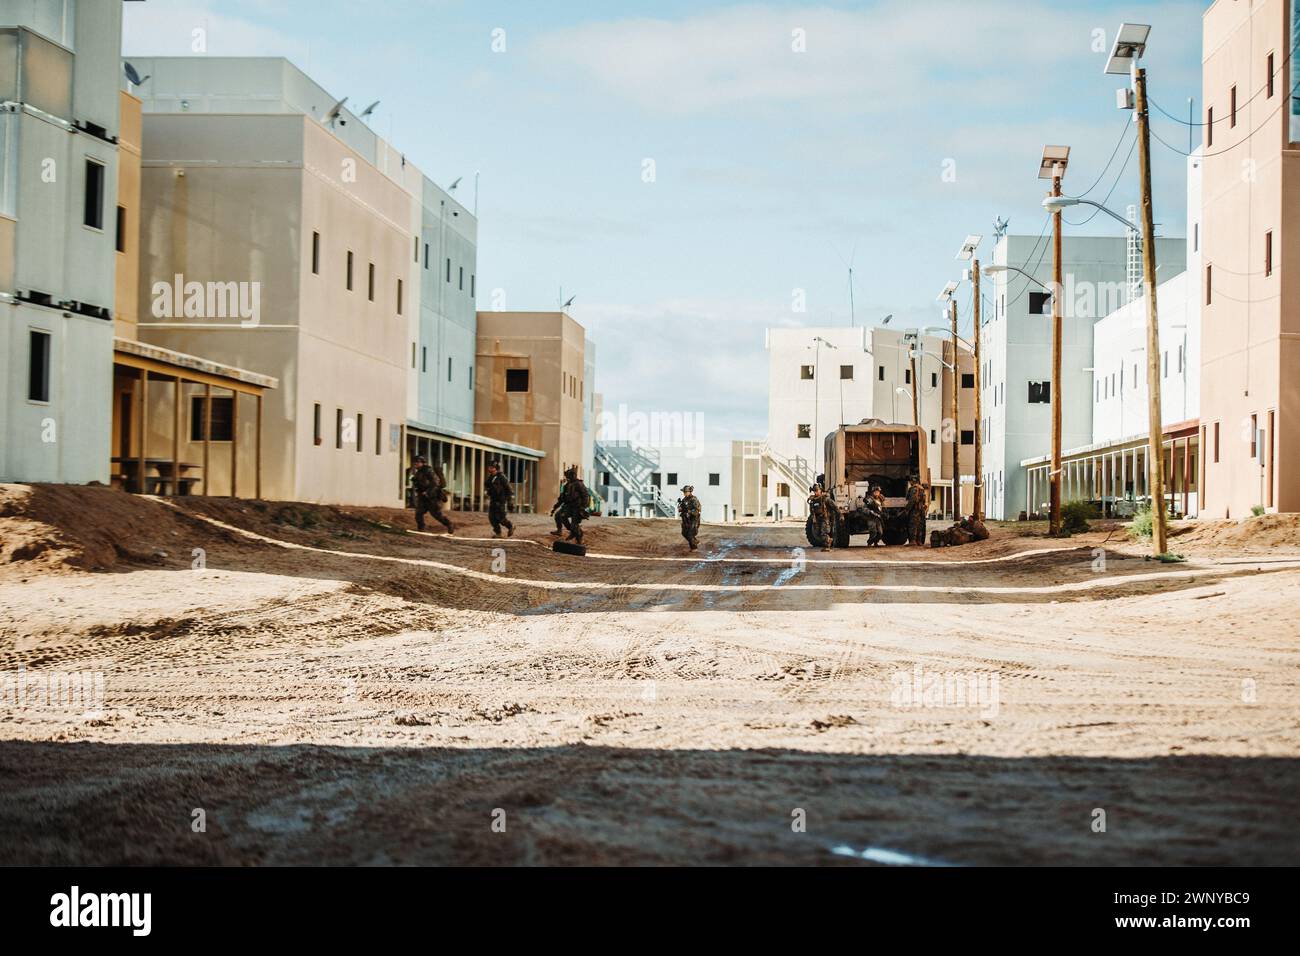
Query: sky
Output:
(696,172)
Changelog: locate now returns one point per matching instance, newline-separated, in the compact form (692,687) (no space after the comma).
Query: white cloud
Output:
(152,29)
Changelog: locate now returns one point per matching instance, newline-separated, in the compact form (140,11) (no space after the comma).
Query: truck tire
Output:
(810,532)
(568,547)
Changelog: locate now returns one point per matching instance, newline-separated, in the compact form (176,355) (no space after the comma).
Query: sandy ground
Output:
(328,687)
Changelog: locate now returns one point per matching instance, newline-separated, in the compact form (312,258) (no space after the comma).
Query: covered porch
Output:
(1113,475)
(464,459)
(184,425)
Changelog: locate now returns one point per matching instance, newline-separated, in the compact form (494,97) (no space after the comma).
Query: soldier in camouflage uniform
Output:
(574,501)
(430,491)
(500,494)
(689,510)
(918,503)
(819,508)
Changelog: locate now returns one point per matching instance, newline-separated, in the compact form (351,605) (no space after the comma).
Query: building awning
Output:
(168,363)
(1172,431)
(472,439)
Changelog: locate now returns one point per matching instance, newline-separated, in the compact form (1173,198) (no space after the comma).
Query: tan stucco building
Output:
(531,388)
(1250,321)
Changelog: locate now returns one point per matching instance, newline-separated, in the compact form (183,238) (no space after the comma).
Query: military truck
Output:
(859,457)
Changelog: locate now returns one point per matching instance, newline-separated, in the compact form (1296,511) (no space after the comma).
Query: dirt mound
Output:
(93,528)
(1270,532)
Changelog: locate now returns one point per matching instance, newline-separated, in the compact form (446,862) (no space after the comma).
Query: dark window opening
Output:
(121,229)
(315,253)
(223,410)
(967,436)
(805,431)
(967,379)
(349,271)
(94,211)
(672,478)
(516,380)
(315,424)
(38,367)
(1040,303)
(1040,393)
(715,479)
(805,372)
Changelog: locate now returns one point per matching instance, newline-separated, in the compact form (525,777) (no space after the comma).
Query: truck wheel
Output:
(841,531)
(810,532)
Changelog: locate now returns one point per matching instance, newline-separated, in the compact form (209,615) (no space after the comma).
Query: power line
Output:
(1268,84)
(1118,176)
(1119,142)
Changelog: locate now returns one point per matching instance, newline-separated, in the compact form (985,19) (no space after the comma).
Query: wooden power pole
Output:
(1058,287)
(1155,429)
(978,505)
(956,420)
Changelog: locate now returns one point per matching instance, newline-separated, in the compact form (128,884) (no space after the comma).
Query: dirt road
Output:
(318,685)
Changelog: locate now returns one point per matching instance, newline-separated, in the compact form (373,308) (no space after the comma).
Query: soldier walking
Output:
(500,494)
(689,510)
(430,491)
(874,506)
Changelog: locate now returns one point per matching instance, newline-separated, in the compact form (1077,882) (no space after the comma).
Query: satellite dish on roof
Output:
(132,74)
(333,116)
(368,110)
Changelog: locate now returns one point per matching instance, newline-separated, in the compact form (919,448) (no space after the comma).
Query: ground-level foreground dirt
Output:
(288,684)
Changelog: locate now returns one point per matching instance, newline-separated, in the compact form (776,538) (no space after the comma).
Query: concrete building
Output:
(59,132)
(820,378)
(1110,469)
(1016,347)
(531,390)
(646,481)
(1250,386)
(361,273)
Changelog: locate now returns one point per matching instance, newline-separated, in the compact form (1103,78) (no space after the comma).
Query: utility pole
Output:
(1054,523)
(956,420)
(916,387)
(1155,429)
(978,504)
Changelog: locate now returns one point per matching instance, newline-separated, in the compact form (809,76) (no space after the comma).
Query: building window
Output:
(967,379)
(223,409)
(424,358)
(1268,80)
(655,479)
(967,436)
(338,428)
(416,240)
(1040,393)
(349,271)
(880,373)
(94,210)
(1254,436)
(907,376)
(805,431)
(315,424)
(715,479)
(1209,126)
(121,229)
(1232,107)
(1196,236)
(315,253)
(1268,253)
(1040,303)
(932,436)
(1164,364)
(460,280)
(472,293)
(1216,443)
(934,379)
(359,430)
(1209,287)
(370,283)
(38,366)
(399,296)
(672,479)
(805,372)
(516,380)
(469,377)
(379,431)
(846,373)
(782,490)
(426,256)
(448,268)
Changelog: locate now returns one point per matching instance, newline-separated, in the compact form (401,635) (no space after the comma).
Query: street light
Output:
(1056,203)
(818,342)
(995,269)
(1052,166)
(1130,46)
(947,294)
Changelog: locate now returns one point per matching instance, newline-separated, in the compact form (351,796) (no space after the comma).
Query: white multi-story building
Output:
(1016,350)
(647,480)
(1111,466)
(821,378)
(59,226)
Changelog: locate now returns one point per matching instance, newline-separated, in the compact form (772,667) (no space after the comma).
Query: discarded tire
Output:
(568,547)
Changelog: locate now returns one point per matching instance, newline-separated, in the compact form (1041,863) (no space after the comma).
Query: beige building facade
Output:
(531,389)
(1250,323)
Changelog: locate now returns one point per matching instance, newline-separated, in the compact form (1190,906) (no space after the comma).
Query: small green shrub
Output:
(1075,516)
(1141,526)
(1257,510)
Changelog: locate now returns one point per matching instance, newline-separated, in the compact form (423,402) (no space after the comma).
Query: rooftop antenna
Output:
(368,110)
(335,114)
(1000,224)
(132,74)
(452,187)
